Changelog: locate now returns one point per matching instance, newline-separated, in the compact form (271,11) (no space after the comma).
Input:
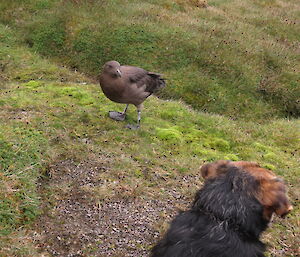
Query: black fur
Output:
(225,220)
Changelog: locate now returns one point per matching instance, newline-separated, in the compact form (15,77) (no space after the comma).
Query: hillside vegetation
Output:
(225,57)
(51,114)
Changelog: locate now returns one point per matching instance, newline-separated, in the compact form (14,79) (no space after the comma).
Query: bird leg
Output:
(137,126)
(139,118)
(125,110)
(118,116)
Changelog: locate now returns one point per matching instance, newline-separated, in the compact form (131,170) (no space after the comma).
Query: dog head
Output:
(272,190)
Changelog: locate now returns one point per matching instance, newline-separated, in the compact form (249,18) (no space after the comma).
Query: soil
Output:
(75,223)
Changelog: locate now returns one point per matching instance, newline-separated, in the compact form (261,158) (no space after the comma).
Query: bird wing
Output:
(141,77)
(133,74)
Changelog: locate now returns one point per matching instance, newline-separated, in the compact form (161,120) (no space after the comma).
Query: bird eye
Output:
(109,66)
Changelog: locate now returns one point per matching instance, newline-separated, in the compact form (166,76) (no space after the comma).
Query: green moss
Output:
(269,166)
(231,157)
(79,94)
(172,135)
(197,149)
(260,147)
(217,143)
(86,101)
(270,156)
(202,153)
(33,84)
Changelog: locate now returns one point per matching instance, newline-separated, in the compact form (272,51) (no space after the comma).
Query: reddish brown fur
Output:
(272,194)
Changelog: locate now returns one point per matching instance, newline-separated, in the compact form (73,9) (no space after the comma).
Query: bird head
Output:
(112,68)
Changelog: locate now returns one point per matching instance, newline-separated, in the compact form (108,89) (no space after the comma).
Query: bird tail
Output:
(160,81)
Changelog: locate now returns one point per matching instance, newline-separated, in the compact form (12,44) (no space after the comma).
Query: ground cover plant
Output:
(58,147)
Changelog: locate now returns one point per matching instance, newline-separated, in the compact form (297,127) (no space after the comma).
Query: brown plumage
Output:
(128,85)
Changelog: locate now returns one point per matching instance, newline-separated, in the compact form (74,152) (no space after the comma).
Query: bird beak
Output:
(119,73)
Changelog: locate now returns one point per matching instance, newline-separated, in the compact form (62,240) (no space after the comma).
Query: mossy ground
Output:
(49,114)
(222,57)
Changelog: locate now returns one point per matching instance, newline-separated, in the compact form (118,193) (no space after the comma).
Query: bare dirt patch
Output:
(76,223)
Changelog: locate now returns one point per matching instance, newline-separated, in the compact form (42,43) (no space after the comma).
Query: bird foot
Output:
(133,127)
(118,116)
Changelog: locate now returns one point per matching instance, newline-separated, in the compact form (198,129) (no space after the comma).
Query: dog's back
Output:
(225,220)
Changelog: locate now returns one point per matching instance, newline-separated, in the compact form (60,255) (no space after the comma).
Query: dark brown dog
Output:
(272,193)
(228,215)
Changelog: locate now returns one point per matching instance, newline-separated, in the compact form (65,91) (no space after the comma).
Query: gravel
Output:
(74,223)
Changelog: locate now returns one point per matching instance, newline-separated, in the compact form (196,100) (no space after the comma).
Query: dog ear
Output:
(211,170)
(274,198)
(205,170)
